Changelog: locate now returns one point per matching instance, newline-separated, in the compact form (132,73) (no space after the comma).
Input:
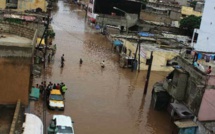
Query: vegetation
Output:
(51,33)
(190,23)
(193,4)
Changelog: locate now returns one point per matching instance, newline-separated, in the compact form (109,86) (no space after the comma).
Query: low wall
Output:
(17,29)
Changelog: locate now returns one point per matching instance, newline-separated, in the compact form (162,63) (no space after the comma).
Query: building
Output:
(187,11)
(16,57)
(128,49)
(205,41)
(22,5)
(191,91)
(90,12)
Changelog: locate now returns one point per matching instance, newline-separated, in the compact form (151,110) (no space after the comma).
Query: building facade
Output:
(22,5)
(191,93)
(16,57)
(205,41)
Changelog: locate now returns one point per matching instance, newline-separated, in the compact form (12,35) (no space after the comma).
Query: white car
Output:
(63,125)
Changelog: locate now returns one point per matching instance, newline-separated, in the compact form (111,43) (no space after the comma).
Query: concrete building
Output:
(16,56)
(22,5)
(187,11)
(191,91)
(205,41)
(161,56)
(90,11)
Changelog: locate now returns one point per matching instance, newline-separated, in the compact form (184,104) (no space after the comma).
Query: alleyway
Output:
(100,101)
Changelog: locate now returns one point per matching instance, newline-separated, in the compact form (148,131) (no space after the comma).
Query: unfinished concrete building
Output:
(191,93)
(16,57)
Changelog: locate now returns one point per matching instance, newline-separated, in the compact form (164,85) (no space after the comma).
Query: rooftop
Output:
(14,40)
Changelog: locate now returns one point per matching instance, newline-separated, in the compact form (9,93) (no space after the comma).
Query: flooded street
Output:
(100,101)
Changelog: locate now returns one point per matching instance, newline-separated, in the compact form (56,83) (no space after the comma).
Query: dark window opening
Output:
(11,4)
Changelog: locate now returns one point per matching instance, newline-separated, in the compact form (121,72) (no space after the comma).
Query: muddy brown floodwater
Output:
(100,101)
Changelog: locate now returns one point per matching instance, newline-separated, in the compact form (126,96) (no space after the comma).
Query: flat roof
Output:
(7,39)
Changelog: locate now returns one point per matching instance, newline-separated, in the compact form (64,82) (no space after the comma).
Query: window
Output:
(11,4)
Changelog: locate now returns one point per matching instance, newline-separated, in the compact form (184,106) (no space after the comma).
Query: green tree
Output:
(190,23)
(193,4)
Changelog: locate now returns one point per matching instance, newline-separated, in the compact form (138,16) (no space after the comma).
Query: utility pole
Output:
(44,65)
(135,56)
(46,35)
(139,55)
(86,13)
(148,73)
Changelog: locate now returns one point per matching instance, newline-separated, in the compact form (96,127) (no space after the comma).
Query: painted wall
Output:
(159,60)
(189,11)
(205,41)
(27,4)
(15,83)
(2,4)
(32,4)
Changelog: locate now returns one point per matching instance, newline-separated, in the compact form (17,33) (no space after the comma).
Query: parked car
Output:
(61,124)
(56,100)
(32,124)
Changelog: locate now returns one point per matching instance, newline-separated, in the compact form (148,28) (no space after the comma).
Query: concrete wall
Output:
(21,30)
(15,78)
(15,65)
(174,15)
(181,2)
(155,17)
(198,82)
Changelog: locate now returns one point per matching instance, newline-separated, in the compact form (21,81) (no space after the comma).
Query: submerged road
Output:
(100,101)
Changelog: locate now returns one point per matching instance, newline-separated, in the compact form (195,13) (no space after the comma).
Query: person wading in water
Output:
(62,60)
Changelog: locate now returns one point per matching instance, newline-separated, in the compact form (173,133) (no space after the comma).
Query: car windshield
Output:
(65,130)
(56,97)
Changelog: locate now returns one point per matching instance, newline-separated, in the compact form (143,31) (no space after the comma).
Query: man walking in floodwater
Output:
(102,64)
(62,60)
(81,61)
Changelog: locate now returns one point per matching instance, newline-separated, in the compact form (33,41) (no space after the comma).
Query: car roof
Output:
(55,91)
(62,120)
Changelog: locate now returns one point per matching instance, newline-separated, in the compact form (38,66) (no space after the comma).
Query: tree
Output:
(190,23)
(193,4)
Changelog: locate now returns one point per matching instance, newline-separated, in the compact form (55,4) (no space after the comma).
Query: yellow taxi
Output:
(56,100)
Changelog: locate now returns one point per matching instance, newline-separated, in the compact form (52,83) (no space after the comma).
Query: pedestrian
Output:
(54,87)
(62,58)
(61,85)
(37,85)
(49,58)
(102,64)
(41,87)
(58,86)
(208,71)
(44,83)
(81,61)
(64,88)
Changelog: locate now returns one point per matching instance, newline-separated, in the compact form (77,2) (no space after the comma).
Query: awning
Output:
(117,43)
(145,34)
(35,93)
